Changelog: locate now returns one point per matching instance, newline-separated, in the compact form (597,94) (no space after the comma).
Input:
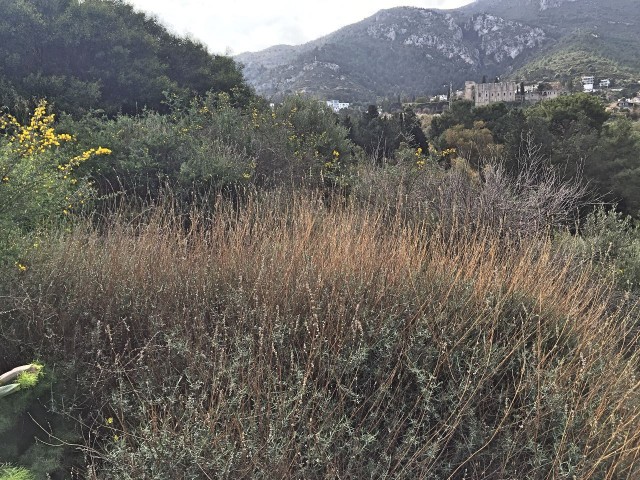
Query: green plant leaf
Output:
(9,389)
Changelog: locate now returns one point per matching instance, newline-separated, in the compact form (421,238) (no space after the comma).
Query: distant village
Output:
(487,93)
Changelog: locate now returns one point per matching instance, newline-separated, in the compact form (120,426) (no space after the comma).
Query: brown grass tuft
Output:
(287,339)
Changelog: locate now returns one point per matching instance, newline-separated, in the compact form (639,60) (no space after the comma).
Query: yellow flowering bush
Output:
(38,180)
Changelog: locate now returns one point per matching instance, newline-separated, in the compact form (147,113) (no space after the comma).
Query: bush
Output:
(213,145)
(38,181)
(445,188)
(289,340)
(8,472)
(612,240)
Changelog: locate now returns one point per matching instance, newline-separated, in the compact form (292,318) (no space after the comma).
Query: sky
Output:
(236,26)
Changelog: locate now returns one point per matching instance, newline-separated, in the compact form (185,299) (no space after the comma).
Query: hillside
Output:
(588,37)
(583,54)
(400,50)
(95,54)
(410,50)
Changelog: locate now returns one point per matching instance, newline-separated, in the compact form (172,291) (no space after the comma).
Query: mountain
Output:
(400,50)
(409,50)
(588,36)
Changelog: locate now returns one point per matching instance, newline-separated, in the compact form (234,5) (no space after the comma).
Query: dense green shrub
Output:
(38,181)
(612,240)
(212,145)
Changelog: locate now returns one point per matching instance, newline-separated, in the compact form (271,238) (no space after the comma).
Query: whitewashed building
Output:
(336,105)
(587,83)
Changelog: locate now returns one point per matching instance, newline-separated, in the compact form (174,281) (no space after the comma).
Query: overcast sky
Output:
(236,26)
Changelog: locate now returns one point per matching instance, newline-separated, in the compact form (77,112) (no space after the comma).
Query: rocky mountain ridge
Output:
(408,50)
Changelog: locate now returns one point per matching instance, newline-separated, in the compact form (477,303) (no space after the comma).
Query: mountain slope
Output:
(411,50)
(400,50)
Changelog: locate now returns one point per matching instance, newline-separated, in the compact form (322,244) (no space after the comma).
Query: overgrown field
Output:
(295,337)
(196,283)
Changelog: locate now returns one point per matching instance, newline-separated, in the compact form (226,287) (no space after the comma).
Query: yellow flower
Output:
(36,137)
(21,267)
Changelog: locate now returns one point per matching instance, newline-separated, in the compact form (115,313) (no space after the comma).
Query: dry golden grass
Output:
(286,339)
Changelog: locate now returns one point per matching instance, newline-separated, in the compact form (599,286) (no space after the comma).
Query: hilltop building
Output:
(336,105)
(540,92)
(488,93)
(587,83)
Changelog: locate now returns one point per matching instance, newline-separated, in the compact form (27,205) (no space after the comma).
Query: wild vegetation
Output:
(212,287)
(94,54)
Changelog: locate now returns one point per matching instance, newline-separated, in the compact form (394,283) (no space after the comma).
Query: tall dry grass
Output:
(291,340)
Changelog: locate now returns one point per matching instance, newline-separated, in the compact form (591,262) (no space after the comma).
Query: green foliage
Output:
(564,112)
(7,472)
(29,379)
(212,144)
(474,144)
(612,240)
(615,168)
(317,145)
(382,136)
(38,181)
(575,132)
(460,113)
(95,54)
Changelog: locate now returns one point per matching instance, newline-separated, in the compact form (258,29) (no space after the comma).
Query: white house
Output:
(587,83)
(336,105)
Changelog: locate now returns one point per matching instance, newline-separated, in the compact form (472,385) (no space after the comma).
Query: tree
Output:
(378,136)
(411,130)
(475,144)
(38,180)
(615,168)
(101,54)
(563,112)
(460,113)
